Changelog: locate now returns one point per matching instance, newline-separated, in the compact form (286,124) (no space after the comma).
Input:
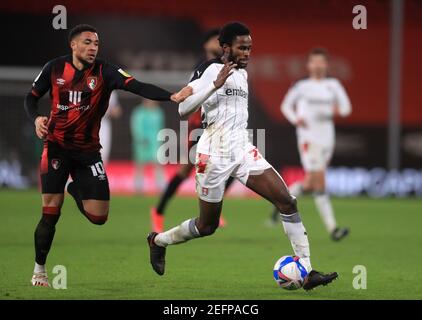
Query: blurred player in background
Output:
(146,121)
(212,50)
(80,86)
(114,111)
(312,105)
(220,88)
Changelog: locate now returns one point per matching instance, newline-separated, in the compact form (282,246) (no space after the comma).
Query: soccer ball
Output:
(289,272)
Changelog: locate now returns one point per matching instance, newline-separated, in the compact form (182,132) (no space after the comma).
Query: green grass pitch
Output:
(112,262)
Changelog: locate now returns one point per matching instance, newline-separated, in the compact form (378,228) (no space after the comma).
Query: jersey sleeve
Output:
(114,77)
(288,104)
(42,82)
(201,78)
(117,78)
(342,99)
(202,84)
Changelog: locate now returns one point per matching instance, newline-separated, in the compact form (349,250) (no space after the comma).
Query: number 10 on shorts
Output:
(98,170)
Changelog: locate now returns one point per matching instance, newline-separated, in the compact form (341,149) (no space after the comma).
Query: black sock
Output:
(43,236)
(170,190)
(229,182)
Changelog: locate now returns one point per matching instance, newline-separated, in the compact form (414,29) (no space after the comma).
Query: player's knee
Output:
(287,205)
(207,230)
(50,216)
(97,219)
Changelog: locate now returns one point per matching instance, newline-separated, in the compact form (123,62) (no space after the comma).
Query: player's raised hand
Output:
(41,126)
(224,73)
(182,94)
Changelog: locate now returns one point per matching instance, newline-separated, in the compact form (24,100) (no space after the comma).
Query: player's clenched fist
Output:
(182,94)
(224,73)
(41,127)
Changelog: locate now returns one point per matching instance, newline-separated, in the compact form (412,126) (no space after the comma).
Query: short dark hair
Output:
(230,31)
(210,34)
(77,30)
(318,51)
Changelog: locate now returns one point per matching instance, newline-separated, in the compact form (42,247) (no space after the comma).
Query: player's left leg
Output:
(258,175)
(90,187)
(271,186)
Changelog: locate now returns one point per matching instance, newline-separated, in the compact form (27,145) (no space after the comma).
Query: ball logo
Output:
(55,163)
(92,82)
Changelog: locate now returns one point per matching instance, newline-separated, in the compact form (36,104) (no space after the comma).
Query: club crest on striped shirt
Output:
(92,82)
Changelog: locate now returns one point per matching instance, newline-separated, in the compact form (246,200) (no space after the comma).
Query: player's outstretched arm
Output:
(181,95)
(203,88)
(147,90)
(116,78)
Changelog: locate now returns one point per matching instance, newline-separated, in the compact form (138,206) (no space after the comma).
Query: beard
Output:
(233,59)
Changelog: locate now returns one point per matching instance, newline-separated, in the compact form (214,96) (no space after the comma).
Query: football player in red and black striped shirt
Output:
(80,85)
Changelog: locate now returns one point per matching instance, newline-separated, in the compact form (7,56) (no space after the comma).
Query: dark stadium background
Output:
(160,41)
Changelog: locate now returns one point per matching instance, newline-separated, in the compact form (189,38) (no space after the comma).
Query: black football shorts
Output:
(85,168)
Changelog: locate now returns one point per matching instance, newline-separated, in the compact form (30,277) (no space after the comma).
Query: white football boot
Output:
(40,279)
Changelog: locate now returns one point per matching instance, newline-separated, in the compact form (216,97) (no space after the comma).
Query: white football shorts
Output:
(212,172)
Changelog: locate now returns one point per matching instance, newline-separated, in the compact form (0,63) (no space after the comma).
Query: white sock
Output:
(298,237)
(182,233)
(296,189)
(323,204)
(39,268)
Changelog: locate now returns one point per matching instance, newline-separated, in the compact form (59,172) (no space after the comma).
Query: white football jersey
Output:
(313,101)
(224,113)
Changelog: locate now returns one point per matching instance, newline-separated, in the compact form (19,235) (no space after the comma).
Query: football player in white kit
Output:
(220,86)
(311,105)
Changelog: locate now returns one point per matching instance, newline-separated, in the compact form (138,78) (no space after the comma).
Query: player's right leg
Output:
(211,180)
(204,225)
(54,171)
(157,213)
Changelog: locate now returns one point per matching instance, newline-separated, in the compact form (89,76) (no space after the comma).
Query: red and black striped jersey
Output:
(79,99)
